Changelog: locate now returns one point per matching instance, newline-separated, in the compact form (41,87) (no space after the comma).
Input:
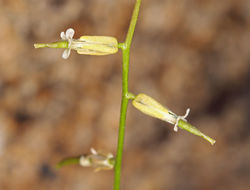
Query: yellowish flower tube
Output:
(151,107)
(97,45)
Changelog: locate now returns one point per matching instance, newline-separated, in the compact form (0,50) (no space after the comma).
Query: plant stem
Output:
(125,93)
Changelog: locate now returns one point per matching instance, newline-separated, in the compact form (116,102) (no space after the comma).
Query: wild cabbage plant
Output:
(105,45)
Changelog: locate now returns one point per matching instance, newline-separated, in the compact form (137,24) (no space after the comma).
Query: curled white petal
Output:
(181,117)
(63,36)
(66,53)
(70,33)
(93,151)
(110,155)
(84,161)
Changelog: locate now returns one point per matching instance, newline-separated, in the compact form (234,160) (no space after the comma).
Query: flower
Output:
(88,45)
(68,35)
(97,160)
(151,107)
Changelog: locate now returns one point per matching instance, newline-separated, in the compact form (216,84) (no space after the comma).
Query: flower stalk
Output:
(60,44)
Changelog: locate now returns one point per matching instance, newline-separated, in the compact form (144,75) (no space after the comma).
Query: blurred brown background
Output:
(186,53)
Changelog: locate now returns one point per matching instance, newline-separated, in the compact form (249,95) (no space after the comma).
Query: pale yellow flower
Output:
(88,45)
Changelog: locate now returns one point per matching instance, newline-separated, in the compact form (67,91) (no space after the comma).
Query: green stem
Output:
(125,93)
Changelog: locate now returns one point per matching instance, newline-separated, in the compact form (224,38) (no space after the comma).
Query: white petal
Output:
(179,118)
(93,151)
(70,42)
(70,33)
(66,53)
(84,161)
(63,36)
(110,155)
(186,114)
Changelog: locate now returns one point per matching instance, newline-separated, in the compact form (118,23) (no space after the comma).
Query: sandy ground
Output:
(186,53)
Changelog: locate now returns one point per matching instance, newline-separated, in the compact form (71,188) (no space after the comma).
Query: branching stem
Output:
(125,93)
